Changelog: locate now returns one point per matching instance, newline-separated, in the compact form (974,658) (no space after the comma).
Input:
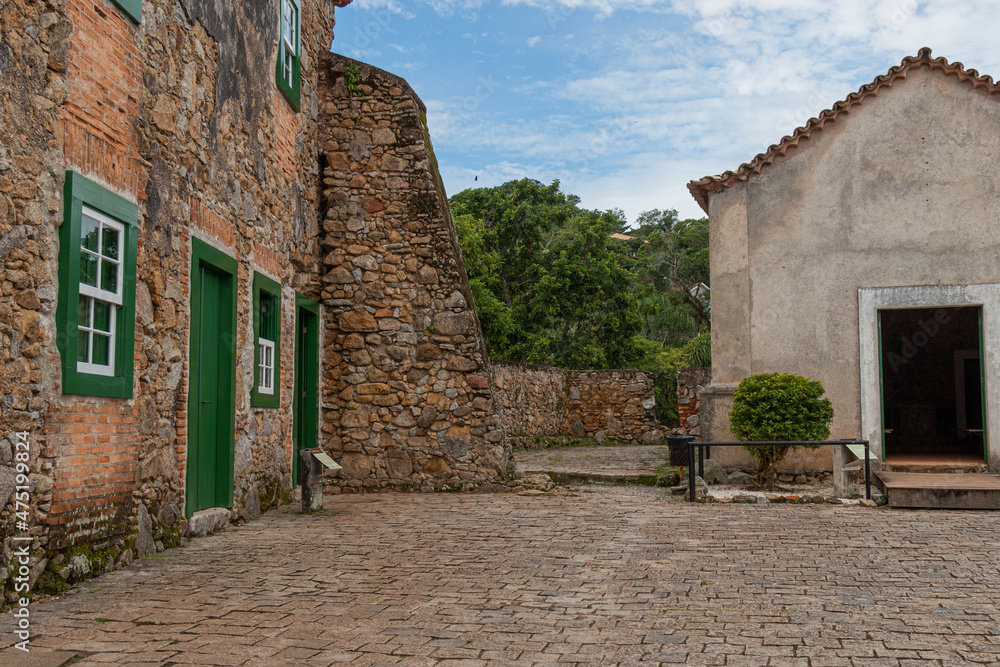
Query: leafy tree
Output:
(654,220)
(551,286)
(580,315)
(482,263)
(778,407)
(518,220)
(548,284)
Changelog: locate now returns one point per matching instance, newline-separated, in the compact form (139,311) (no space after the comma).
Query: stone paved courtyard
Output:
(613,576)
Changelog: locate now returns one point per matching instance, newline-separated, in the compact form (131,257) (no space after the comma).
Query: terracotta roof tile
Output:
(700,188)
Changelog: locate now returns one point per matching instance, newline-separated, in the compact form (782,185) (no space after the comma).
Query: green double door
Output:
(212,395)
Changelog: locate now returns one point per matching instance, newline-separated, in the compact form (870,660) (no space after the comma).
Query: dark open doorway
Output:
(932,389)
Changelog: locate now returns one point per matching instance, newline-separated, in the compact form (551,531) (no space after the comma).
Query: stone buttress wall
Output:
(408,399)
(542,402)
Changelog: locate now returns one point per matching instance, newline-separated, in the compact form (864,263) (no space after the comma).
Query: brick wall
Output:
(539,403)
(95,453)
(690,383)
(90,446)
(100,115)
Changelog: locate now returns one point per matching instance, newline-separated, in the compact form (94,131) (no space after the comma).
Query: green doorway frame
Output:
(982,372)
(982,387)
(206,258)
(305,395)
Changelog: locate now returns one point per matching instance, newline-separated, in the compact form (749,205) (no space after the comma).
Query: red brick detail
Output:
(210,222)
(94,446)
(116,166)
(104,73)
(372,205)
(267,260)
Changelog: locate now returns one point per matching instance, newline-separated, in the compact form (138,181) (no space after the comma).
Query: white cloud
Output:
(443,7)
(701,89)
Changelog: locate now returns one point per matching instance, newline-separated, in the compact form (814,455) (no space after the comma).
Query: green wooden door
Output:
(208,391)
(211,399)
(305,405)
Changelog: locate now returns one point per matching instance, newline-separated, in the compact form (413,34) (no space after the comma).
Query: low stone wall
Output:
(542,405)
(690,383)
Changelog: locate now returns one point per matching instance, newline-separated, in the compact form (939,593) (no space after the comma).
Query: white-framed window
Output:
(289,37)
(269,331)
(100,292)
(265,372)
(288,69)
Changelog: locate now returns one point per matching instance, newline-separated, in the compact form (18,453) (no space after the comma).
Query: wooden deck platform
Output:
(940,490)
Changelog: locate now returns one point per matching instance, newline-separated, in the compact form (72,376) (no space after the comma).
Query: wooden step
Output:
(958,468)
(940,489)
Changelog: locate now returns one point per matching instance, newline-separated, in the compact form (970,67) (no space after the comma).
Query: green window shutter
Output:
(79,192)
(131,7)
(288,72)
(267,326)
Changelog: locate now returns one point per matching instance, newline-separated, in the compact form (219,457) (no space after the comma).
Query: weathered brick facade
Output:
(340,203)
(690,383)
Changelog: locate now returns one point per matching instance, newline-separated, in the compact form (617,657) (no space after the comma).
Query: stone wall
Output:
(407,397)
(690,383)
(542,403)
(532,402)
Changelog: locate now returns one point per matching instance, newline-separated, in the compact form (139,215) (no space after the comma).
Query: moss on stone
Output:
(272,494)
(51,583)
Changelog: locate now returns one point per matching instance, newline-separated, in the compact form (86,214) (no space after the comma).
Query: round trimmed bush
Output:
(779,406)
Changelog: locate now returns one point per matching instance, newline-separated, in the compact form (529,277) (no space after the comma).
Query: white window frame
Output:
(95,293)
(265,369)
(289,38)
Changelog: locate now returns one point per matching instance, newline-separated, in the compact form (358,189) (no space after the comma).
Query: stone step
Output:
(958,468)
(207,522)
(943,490)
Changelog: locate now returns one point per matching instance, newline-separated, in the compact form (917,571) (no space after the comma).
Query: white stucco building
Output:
(864,251)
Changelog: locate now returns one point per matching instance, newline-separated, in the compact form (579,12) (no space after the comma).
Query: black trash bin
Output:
(678,446)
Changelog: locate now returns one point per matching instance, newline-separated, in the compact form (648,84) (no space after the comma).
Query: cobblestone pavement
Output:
(613,576)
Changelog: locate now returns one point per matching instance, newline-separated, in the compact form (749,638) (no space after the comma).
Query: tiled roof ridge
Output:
(700,188)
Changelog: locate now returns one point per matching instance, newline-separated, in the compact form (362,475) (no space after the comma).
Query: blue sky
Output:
(625,101)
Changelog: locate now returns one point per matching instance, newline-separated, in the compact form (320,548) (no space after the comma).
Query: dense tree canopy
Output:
(552,286)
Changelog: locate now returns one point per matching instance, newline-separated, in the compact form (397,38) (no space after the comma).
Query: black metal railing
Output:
(691,443)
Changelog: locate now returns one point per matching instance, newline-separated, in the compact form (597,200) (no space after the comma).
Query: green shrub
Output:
(698,351)
(779,406)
